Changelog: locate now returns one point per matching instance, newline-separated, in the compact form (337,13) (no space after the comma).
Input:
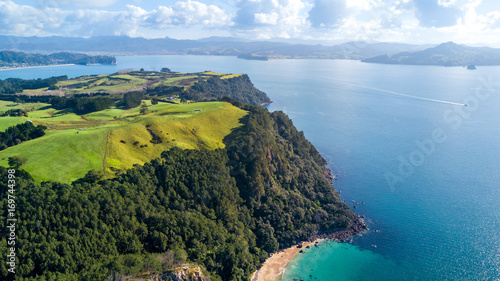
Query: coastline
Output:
(275,265)
(36,66)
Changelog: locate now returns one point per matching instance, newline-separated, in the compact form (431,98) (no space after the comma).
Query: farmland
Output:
(115,139)
(125,82)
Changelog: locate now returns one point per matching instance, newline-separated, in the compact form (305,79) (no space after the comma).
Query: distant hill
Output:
(220,46)
(201,86)
(20,59)
(446,54)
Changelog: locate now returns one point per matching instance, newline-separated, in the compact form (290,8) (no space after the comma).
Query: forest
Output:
(239,88)
(16,85)
(223,209)
(22,132)
(13,59)
(82,105)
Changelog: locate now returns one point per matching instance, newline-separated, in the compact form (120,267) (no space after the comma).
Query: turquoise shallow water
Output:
(438,217)
(340,261)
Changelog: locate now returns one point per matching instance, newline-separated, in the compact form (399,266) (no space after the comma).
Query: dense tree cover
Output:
(133,99)
(17,85)
(15,112)
(11,58)
(281,177)
(164,90)
(82,105)
(225,209)
(238,88)
(17,161)
(87,105)
(21,132)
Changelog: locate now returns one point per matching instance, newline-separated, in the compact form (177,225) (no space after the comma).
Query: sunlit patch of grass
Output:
(75,144)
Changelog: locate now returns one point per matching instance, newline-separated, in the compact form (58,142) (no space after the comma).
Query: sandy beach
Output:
(274,266)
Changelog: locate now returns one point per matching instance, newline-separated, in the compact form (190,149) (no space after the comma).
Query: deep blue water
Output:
(400,140)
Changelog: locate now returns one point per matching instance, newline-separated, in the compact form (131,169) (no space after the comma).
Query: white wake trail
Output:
(395,93)
(415,97)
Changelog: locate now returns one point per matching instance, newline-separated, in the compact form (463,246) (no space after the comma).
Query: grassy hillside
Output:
(114,139)
(222,209)
(125,82)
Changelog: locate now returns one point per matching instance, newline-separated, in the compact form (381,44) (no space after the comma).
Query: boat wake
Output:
(399,94)
(415,97)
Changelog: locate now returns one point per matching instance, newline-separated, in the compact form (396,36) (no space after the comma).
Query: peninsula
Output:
(138,174)
(11,59)
(446,54)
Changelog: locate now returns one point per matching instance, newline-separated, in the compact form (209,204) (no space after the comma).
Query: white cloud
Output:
(29,21)
(363,4)
(446,3)
(266,19)
(327,13)
(188,13)
(269,18)
(23,20)
(79,3)
(193,12)
(417,21)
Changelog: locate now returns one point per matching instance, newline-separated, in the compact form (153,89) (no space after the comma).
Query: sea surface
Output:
(419,145)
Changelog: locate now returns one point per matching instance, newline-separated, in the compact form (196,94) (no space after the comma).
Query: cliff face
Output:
(185,273)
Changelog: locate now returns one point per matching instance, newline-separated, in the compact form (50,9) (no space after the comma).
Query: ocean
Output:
(418,145)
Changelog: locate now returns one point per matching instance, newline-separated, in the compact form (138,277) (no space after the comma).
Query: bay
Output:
(400,139)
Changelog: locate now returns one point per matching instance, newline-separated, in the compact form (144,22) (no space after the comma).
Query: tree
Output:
(17,161)
(183,100)
(144,109)
(165,69)
(154,101)
(132,99)
(93,176)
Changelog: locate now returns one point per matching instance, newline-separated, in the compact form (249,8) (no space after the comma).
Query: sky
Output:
(472,22)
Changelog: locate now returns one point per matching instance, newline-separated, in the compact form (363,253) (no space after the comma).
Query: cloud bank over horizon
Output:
(409,21)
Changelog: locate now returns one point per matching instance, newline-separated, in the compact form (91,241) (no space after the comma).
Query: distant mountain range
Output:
(20,59)
(222,46)
(446,54)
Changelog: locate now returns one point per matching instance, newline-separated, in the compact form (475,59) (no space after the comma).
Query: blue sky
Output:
(475,22)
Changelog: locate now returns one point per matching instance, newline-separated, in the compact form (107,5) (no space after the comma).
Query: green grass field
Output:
(119,83)
(7,105)
(7,121)
(106,143)
(62,155)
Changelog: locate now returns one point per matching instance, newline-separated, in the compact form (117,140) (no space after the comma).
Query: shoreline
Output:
(36,66)
(275,265)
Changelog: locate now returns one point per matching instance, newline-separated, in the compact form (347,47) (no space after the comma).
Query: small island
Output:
(253,57)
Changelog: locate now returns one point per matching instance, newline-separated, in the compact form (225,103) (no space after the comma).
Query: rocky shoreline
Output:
(277,262)
(358,226)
